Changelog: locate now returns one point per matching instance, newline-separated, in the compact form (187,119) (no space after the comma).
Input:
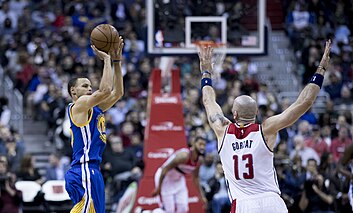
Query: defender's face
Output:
(83,87)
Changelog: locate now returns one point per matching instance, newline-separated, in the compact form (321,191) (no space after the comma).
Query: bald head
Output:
(244,108)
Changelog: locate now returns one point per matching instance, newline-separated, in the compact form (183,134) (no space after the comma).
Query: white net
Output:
(219,54)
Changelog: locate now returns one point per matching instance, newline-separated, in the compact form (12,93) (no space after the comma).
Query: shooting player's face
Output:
(83,87)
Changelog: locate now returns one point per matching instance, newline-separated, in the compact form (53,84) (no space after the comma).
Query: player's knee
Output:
(169,208)
(182,208)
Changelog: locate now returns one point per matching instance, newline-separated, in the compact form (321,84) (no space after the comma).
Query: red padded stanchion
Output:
(164,134)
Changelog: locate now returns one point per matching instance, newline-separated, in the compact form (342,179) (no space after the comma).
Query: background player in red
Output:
(170,181)
(246,148)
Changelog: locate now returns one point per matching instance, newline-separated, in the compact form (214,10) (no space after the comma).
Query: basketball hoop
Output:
(219,53)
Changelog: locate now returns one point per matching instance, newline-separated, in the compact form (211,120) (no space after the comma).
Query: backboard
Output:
(175,25)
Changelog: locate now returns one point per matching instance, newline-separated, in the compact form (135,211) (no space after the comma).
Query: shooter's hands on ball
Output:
(205,55)
(101,55)
(116,50)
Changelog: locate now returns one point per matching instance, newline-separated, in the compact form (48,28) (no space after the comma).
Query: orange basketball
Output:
(104,36)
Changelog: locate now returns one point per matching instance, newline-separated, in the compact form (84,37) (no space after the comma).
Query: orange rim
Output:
(209,43)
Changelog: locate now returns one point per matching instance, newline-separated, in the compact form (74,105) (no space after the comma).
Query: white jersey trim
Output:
(265,141)
(224,135)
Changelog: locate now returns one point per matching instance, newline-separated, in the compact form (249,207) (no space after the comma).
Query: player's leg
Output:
(274,204)
(97,190)
(75,189)
(168,202)
(261,203)
(181,197)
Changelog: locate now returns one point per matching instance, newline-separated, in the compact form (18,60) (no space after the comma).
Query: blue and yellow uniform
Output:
(84,181)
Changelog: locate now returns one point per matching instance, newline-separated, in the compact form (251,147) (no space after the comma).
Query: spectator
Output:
(304,129)
(207,169)
(299,22)
(311,169)
(326,135)
(340,143)
(281,154)
(302,151)
(317,196)
(266,98)
(14,154)
(27,170)
(127,129)
(218,194)
(327,166)
(5,112)
(136,145)
(10,199)
(6,13)
(310,59)
(346,97)
(291,183)
(57,168)
(121,164)
(316,142)
(335,86)
(329,117)
(5,135)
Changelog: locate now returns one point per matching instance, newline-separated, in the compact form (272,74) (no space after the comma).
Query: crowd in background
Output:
(43,43)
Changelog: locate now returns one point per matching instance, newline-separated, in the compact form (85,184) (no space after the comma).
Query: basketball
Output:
(104,36)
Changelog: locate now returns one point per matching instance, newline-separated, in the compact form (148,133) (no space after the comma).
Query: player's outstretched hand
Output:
(205,55)
(116,50)
(101,55)
(326,56)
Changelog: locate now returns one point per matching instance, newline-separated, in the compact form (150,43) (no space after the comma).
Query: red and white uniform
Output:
(249,171)
(174,193)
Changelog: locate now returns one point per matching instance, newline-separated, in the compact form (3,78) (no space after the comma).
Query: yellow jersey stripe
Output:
(90,111)
(91,208)
(79,206)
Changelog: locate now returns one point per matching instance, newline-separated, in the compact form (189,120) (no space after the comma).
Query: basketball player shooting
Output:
(84,181)
(246,148)
(170,181)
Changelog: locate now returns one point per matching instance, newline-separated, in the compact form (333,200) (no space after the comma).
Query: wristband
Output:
(116,60)
(321,67)
(317,79)
(206,82)
(206,72)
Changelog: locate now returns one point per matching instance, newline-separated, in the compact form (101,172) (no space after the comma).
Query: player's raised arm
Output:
(180,158)
(85,102)
(305,100)
(118,86)
(215,116)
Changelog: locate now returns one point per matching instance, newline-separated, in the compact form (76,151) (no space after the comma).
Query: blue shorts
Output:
(85,187)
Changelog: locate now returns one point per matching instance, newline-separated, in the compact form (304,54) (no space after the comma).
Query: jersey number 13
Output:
(247,161)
